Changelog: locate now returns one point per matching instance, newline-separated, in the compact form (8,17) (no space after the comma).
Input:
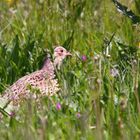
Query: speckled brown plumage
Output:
(37,84)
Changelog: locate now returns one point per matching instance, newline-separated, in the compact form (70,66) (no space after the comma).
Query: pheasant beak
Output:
(68,54)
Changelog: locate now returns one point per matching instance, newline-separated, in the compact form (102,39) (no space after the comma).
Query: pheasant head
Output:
(60,54)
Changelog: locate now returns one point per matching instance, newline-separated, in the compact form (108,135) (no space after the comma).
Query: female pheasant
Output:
(37,84)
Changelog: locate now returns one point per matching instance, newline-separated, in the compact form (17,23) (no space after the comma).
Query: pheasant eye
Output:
(61,50)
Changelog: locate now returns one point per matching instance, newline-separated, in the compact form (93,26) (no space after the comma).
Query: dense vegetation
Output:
(100,84)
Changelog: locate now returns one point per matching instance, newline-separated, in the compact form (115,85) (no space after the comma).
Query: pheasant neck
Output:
(48,65)
(58,62)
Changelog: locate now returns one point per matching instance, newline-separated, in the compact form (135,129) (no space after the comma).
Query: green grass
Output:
(109,106)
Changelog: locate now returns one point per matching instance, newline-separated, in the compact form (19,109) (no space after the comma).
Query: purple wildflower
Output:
(84,58)
(114,72)
(58,106)
(78,115)
(12,114)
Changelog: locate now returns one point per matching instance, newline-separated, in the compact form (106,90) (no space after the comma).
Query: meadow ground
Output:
(100,84)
